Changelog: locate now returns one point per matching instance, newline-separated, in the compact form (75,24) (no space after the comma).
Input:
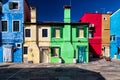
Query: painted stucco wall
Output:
(11,37)
(95,43)
(43,41)
(79,42)
(106,33)
(115,30)
(31,42)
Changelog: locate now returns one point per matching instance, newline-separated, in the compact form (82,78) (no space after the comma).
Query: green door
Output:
(81,54)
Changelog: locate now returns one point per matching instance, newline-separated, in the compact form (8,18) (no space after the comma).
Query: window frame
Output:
(13,26)
(53,50)
(20,45)
(43,33)
(24,50)
(78,28)
(55,32)
(12,3)
(7,26)
(25,33)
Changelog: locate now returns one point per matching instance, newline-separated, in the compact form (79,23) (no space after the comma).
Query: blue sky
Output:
(52,10)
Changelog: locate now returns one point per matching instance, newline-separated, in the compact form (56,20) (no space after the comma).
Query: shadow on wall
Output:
(93,52)
(49,73)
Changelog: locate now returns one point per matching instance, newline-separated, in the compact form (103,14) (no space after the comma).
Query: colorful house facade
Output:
(115,35)
(99,33)
(95,32)
(58,42)
(14,14)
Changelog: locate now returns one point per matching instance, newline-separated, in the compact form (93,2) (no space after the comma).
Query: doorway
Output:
(7,53)
(44,56)
(81,54)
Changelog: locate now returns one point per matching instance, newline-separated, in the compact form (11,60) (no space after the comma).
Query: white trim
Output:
(20,45)
(14,2)
(12,26)
(115,12)
(7,27)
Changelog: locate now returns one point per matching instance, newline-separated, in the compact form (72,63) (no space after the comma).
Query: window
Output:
(44,32)
(90,34)
(25,50)
(57,32)
(15,26)
(81,32)
(55,52)
(4,26)
(118,50)
(105,18)
(27,33)
(18,45)
(112,37)
(13,5)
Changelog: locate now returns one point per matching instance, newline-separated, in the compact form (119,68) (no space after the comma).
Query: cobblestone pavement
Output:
(95,70)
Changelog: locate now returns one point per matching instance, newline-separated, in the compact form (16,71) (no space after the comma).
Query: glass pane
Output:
(81,33)
(16,26)
(57,33)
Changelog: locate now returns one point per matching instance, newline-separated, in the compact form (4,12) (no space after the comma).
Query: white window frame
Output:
(12,26)
(14,2)
(7,26)
(17,44)
(55,33)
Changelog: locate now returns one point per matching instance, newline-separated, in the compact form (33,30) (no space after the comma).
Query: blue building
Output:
(115,35)
(14,14)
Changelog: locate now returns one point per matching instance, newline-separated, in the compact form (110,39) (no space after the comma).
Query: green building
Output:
(69,41)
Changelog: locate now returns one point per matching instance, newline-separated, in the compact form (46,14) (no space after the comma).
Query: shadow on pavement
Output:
(49,73)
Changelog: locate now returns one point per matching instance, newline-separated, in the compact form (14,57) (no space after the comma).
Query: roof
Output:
(56,23)
(115,12)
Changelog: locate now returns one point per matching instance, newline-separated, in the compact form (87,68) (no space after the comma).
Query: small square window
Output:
(13,5)
(27,33)
(55,52)
(15,26)
(25,50)
(4,26)
(18,45)
(44,32)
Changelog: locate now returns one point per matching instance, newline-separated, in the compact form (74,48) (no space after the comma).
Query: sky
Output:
(52,10)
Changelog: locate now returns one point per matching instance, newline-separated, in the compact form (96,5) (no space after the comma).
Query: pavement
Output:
(94,70)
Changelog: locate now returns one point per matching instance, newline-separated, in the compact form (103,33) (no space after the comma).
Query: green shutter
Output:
(52,32)
(61,32)
(10,5)
(77,31)
(85,32)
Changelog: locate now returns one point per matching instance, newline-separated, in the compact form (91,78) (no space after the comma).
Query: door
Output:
(81,54)
(7,53)
(45,56)
(106,51)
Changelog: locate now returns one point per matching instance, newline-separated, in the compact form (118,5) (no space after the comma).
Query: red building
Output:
(95,32)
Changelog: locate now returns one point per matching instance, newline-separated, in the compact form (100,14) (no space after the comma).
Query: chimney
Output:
(67,15)
(33,14)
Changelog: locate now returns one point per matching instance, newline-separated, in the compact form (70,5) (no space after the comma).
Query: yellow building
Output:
(30,49)
(106,35)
